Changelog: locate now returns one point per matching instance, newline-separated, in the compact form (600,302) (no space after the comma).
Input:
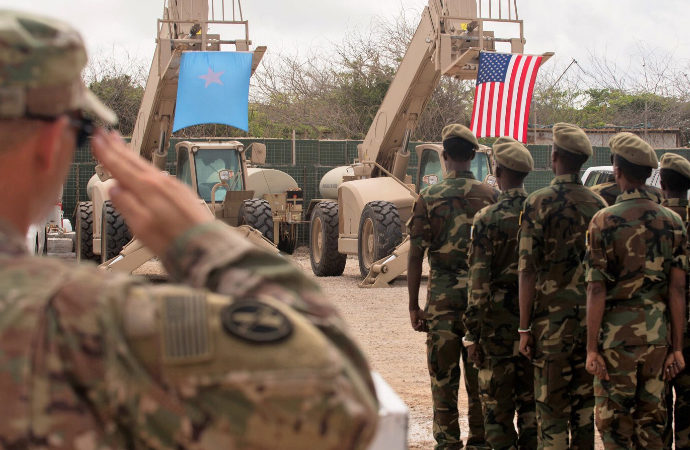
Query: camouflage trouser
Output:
(444,350)
(564,398)
(630,410)
(680,411)
(506,386)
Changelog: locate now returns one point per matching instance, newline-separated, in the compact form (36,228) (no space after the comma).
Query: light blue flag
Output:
(213,88)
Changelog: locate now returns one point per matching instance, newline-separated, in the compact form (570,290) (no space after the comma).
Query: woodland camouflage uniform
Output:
(632,247)
(441,222)
(678,422)
(552,244)
(506,378)
(610,191)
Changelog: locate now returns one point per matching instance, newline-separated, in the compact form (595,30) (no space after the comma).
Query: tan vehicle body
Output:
(377,191)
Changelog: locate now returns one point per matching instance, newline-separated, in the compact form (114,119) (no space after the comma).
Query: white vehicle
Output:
(52,237)
(603,174)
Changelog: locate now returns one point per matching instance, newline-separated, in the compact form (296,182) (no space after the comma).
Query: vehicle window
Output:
(208,163)
(479,166)
(592,179)
(430,171)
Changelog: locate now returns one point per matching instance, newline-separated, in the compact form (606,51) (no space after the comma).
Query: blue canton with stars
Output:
(493,67)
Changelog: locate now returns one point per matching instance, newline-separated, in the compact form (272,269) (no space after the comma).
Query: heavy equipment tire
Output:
(287,241)
(115,233)
(256,213)
(84,226)
(379,233)
(323,241)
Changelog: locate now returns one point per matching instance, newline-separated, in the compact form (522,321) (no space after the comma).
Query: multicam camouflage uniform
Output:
(552,244)
(93,360)
(632,247)
(492,318)
(441,222)
(679,413)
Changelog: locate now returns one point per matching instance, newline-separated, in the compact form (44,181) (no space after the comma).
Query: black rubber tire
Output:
(387,232)
(329,263)
(115,233)
(84,227)
(287,241)
(256,213)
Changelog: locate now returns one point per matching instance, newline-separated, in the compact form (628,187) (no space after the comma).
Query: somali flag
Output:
(213,88)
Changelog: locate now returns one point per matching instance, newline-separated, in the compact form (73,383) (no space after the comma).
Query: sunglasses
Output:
(85,127)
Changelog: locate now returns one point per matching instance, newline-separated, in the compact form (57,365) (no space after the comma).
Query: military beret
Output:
(633,149)
(40,69)
(571,138)
(513,155)
(461,131)
(677,163)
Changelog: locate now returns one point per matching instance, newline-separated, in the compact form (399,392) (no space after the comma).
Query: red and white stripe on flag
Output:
(501,108)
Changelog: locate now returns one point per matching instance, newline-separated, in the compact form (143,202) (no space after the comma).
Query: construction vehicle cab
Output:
(267,200)
(431,170)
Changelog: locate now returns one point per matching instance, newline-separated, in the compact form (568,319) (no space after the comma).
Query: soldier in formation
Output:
(552,295)
(506,378)
(636,267)
(243,352)
(675,183)
(440,224)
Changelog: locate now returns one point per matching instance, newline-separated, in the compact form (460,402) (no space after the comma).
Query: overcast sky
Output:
(571,29)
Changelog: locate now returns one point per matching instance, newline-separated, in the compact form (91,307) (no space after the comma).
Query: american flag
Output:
(503,95)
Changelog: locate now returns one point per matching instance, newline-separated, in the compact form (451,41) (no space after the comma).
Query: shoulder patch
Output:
(186,336)
(255,321)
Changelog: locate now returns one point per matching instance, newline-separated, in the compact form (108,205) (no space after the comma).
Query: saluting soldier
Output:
(440,224)
(243,352)
(552,295)
(506,378)
(675,183)
(636,270)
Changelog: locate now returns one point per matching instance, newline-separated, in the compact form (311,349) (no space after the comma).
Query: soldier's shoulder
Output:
(540,194)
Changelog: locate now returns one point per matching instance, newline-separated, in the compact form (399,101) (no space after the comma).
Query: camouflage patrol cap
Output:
(41,60)
(513,155)
(633,149)
(461,131)
(677,163)
(571,138)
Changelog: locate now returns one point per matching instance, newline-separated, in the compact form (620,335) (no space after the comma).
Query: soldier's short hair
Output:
(458,149)
(673,181)
(633,172)
(572,162)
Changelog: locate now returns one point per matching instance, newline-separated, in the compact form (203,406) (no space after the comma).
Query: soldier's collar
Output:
(635,194)
(567,178)
(11,241)
(515,192)
(675,202)
(462,174)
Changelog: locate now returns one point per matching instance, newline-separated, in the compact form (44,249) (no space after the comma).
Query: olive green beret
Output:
(633,149)
(677,163)
(571,138)
(511,154)
(461,131)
